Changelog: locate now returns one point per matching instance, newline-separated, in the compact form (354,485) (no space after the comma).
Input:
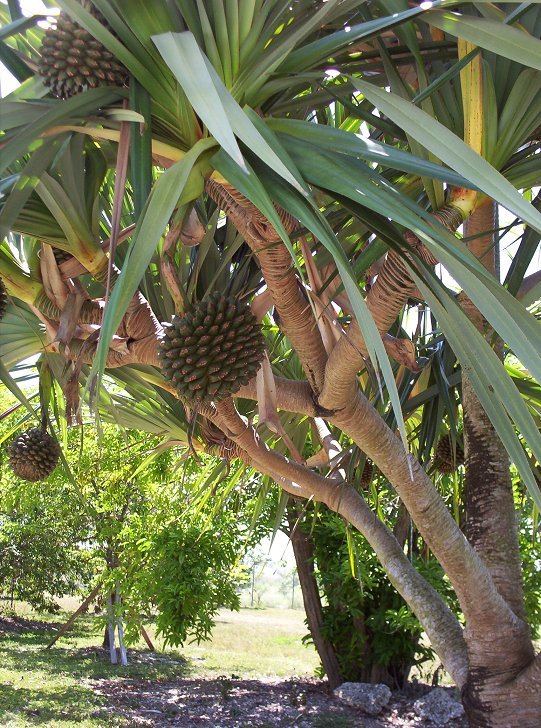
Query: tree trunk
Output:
(111,630)
(303,551)
(489,696)
(490,701)
(494,652)
(490,511)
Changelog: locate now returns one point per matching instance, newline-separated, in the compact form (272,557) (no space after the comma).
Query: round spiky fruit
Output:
(3,299)
(446,460)
(72,60)
(211,351)
(33,455)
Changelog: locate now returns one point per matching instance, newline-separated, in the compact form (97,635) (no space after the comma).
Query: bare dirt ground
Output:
(224,702)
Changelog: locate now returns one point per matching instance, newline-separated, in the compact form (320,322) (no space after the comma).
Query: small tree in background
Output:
(137,536)
(183,569)
(255,562)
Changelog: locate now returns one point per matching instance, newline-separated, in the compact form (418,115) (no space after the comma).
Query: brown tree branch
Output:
(296,318)
(440,624)
(291,395)
(479,599)
(385,300)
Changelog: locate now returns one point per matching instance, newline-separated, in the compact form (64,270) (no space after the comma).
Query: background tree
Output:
(135,536)
(43,530)
(262,162)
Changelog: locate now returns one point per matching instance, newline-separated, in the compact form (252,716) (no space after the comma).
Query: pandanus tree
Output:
(316,161)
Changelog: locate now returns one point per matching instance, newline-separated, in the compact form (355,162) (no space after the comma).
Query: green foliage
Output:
(530,554)
(198,90)
(188,572)
(375,635)
(42,529)
(57,537)
(39,555)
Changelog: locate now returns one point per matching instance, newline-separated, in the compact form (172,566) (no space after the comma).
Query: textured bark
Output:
(402,526)
(291,395)
(296,318)
(439,623)
(499,642)
(303,551)
(385,300)
(504,700)
(491,528)
(490,513)
(499,647)
(482,604)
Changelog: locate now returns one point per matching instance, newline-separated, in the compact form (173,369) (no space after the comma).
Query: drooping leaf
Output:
(505,40)
(451,150)
(180,184)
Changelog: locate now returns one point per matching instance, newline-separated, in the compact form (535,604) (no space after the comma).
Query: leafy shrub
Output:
(182,570)
(375,636)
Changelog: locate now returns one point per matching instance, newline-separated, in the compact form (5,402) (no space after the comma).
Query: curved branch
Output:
(437,619)
(479,599)
(296,317)
(385,300)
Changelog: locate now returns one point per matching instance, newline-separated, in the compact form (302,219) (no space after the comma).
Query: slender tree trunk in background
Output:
(111,630)
(65,627)
(120,628)
(109,563)
(303,551)
(490,697)
(402,528)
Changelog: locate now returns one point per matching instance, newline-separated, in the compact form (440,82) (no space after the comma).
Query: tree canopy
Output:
(167,165)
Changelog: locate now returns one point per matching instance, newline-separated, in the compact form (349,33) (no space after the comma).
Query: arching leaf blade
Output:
(451,150)
(163,199)
(504,40)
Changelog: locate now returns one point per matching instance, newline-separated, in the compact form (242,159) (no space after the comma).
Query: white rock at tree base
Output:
(438,707)
(365,696)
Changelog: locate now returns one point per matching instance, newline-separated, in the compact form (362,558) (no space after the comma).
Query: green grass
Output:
(253,643)
(54,688)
